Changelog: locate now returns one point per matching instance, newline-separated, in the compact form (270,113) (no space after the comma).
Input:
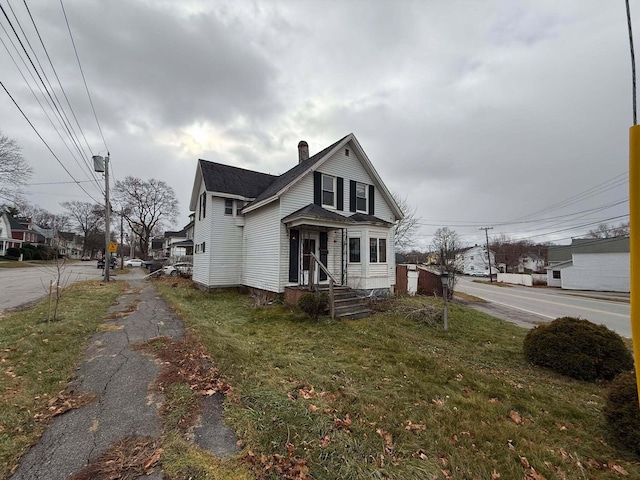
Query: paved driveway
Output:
(24,285)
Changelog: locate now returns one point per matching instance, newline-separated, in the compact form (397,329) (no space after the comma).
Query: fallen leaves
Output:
(63,402)
(132,457)
(287,467)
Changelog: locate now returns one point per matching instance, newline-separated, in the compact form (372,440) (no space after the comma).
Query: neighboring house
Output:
(11,233)
(157,248)
(590,264)
(259,230)
(179,245)
(474,261)
(531,262)
(69,245)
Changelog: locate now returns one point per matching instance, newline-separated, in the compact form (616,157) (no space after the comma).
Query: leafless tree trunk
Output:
(151,204)
(14,170)
(447,244)
(407,228)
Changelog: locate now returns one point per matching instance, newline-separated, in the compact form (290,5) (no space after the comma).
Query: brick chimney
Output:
(303,151)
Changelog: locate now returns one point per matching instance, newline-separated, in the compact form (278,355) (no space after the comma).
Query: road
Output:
(19,286)
(549,304)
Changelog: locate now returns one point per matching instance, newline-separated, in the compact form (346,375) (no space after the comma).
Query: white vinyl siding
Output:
(606,272)
(262,240)
(224,247)
(202,233)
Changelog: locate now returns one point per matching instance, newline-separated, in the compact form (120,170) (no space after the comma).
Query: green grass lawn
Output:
(37,359)
(388,397)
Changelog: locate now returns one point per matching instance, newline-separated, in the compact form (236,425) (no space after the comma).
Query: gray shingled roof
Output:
(289,176)
(562,253)
(313,210)
(317,212)
(233,180)
(364,218)
(15,225)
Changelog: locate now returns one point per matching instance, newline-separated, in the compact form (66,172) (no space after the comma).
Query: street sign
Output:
(113,247)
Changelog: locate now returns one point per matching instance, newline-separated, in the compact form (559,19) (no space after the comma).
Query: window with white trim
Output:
(377,250)
(361,197)
(228,206)
(354,250)
(328,191)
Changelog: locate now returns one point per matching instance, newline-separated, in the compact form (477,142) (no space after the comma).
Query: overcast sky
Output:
(478,113)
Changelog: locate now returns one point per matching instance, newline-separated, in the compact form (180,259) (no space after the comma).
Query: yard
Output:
(390,397)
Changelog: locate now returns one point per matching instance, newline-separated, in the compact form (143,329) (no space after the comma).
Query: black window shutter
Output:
(352,196)
(317,188)
(324,253)
(294,250)
(372,200)
(340,193)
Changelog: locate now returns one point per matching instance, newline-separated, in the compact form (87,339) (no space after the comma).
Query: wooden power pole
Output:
(486,232)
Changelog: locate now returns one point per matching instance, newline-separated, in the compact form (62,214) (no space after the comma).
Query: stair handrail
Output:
(332,281)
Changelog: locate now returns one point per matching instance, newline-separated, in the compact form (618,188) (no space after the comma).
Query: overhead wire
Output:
(63,91)
(49,94)
(44,110)
(83,76)
(45,142)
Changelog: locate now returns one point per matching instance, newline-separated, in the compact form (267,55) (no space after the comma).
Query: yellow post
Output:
(634,240)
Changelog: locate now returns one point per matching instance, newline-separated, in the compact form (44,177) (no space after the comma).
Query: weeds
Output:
(388,397)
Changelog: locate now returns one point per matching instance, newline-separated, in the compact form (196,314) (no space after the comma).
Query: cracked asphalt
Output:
(120,377)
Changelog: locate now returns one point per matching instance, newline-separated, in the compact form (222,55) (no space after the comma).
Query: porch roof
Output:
(320,217)
(184,243)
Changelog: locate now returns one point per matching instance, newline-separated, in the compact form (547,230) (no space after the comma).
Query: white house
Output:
(259,230)
(531,262)
(590,264)
(475,261)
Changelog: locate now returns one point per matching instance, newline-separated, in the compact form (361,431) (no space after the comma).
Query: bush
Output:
(622,413)
(313,305)
(13,252)
(579,349)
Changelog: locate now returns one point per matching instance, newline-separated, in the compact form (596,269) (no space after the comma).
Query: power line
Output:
(63,92)
(46,144)
(49,94)
(83,77)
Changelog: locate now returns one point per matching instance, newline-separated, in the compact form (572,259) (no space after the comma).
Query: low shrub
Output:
(313,305)
(578,348)
(622,413)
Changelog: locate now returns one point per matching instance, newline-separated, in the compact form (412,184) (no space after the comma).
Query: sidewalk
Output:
(120,378)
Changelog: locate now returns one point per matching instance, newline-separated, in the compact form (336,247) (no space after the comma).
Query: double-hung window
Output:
(328,191)
(354,250)
(361,197)
(228,206)
(378,250)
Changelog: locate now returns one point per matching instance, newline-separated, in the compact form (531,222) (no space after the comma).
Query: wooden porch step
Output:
(347,304)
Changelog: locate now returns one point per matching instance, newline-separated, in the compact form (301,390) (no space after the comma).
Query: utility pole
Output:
(486,232)
(101,164)
(107,212)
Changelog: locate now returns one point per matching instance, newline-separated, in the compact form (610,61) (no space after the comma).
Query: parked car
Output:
(184,269)
(134,262)
(114,262)
(86,258)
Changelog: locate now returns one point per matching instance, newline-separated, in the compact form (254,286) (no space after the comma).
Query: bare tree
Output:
(44,218)
(88,219)
(447,245)
(407,228)
(14,170)
(606,231)
(150,205)
(509,252)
